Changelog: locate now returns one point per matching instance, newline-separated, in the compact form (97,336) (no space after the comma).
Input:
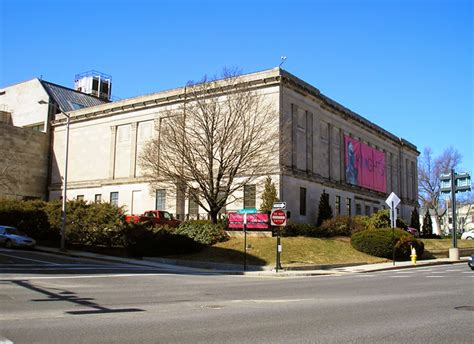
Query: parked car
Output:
(412,231)
(155,217)
(470,261)
(13,237)
(469,235)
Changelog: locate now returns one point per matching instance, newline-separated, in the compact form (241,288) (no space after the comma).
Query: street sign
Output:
(279,205)
(278,217)
(462,182)
(247,211)
(392,200)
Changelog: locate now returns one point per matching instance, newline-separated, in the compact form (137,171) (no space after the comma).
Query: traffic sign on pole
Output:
(278,217)
(392,200)
(279,205)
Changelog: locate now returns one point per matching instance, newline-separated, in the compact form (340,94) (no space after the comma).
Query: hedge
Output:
(380,243)
(145,240)
(202,231)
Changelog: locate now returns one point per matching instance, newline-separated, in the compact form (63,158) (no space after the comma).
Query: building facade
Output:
(324,147)
(26,111)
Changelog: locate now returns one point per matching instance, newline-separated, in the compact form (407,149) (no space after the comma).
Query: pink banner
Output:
(254,221)
(353,161)
(365,166)
(380,180)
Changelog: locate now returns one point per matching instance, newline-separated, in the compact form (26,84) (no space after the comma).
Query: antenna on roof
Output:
(283,59)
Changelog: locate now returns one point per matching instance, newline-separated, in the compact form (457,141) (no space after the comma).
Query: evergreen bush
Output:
(151,241)
(28,216)
(324,209)
(380,219)
(202,231)
(343,225)
(380,243)
(269,196)
(427,229)
(415,219)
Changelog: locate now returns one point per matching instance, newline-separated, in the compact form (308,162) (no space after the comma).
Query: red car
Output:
(156,217)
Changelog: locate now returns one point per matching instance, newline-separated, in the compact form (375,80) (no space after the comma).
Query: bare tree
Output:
(429,171)
(219,139)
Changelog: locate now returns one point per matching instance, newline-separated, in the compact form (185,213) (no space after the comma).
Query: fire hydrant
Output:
(413,256)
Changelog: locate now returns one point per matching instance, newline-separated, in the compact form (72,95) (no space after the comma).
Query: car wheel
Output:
(8,244)
(469,238)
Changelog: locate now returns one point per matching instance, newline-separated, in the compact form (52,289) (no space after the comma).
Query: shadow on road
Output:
(69,296)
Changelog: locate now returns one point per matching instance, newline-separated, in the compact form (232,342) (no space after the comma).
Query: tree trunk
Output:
(213,215)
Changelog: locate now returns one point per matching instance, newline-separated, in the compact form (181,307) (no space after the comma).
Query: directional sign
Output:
(392,200)
(279,205)
(278,217)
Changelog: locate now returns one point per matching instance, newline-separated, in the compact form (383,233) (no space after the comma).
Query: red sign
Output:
(278,217)
(254,221)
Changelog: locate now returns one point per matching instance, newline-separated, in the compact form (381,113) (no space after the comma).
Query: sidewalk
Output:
(234,269)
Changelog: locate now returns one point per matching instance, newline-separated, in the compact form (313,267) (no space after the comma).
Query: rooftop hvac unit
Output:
(94,83)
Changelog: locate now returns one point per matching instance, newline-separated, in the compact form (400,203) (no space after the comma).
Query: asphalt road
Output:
(113,303)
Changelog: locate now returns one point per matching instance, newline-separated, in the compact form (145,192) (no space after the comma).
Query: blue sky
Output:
(406,65)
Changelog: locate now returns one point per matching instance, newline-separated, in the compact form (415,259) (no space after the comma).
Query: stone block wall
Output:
(23,162)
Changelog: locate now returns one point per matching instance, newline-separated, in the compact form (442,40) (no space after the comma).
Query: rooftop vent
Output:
(94,83)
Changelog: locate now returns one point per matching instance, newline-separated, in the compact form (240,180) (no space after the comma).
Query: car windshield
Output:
(14,231)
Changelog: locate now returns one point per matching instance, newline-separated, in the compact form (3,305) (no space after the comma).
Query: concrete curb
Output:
(256,271)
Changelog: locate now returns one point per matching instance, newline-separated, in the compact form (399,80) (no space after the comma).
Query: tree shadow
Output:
(220,258)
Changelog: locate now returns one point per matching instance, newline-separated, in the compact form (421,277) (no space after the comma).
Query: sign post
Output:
(245,241)
(393,201)
(278,219)
(453,183)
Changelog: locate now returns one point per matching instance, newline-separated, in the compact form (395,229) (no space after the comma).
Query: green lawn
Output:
(445,244)
(295,251)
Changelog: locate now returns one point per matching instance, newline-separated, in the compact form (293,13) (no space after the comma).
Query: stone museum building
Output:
(328,149)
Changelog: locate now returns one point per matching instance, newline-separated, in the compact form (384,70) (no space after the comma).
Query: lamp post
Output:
(63,208)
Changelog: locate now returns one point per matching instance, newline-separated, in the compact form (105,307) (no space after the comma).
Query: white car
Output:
(469,235)
(10,237)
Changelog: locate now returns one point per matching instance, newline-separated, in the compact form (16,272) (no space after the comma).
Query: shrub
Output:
(343,225)
(415,219)
(401,224)
(300,229)
(380,219)
(92,224)
(380,243)
(202,231)
(404,245)
(28,216)
(145,240)
(324,209)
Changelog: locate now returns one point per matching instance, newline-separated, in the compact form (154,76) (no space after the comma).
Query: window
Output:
(160,199)
(348,206)
(95,84)
(98,198)
(358,209)
(80,197)
(367,210)
(193,206)
(303,201)
(76,106)
(338,205)
(114,198)
(249,196)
